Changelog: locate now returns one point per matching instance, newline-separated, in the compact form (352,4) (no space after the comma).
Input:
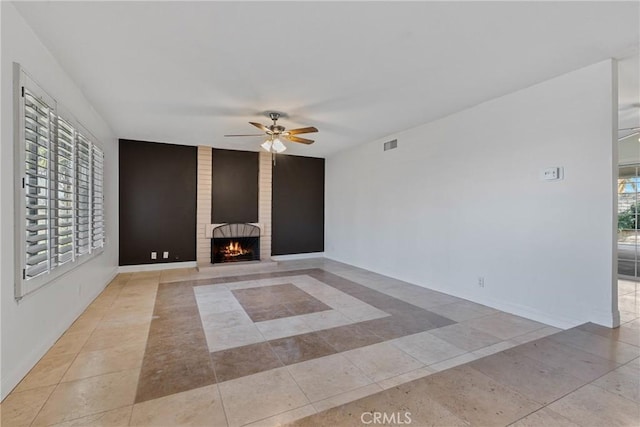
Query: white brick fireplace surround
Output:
(203,221)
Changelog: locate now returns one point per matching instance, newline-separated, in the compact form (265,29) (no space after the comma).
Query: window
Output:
(59,193)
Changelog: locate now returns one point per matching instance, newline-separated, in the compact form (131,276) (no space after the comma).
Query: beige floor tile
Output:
(284,327)
(205,289)
(463,310)
(544,417)
(634,324)
(344,302)
(145,275)
(428,301)
(285,418)
(534,335)
(427,348)
(70,343)
(89,396)
(326,319)
(594,406)
(136,318)
(225,338)
(349,396)
(407,403)
(495,348)
(139,288)
(475,397)
(199,407)
(95,310)
(227,319)
(629,303)
(113,418)
(328,376)
(48,371)
(617,351)
(405,378)
(463,336)
(260,396)
(623,333)
(106,336)
(624,381)
(85,323)
(627,316)
(505,326)
(535,380)
(217,302)
(362,313)
(382,361)
(568,359)
(99,362)
(129,309)
(20,409)
(627,287)
(453,362)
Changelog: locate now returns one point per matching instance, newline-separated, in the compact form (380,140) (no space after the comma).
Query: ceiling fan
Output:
(276,133)
(633,132)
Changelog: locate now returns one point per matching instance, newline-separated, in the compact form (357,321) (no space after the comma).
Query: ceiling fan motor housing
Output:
(276,129)
(274,116)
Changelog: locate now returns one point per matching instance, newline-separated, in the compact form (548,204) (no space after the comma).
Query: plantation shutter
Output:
(97,195)
(83,195)
(59,194)
(39,118)
(62,192)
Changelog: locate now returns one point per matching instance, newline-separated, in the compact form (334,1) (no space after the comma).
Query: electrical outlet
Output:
(154,255)
(165,254)
(481,281)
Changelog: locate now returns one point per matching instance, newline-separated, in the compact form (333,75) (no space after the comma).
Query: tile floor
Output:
(316,342)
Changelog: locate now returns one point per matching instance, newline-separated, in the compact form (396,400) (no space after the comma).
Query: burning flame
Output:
(234,249)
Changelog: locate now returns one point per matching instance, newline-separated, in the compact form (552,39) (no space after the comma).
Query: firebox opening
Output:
(235,249)
(235,242)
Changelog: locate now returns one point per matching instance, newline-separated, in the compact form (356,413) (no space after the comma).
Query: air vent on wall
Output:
(390,145)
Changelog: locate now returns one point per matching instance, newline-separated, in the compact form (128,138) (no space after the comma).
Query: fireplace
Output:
(235,243)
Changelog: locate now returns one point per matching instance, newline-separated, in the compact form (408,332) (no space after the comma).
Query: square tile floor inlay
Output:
(322,340)
(221,330)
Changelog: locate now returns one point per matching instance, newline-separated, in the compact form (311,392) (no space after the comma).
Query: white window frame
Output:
(23,285)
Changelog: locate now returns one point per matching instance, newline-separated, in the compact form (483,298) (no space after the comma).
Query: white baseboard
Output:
(294,257)
(508,307)
(12,379)
(155,267)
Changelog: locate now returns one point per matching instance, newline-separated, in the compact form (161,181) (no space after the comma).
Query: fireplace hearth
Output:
(235,242)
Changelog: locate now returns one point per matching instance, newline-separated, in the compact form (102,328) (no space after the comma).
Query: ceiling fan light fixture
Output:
(273,143)
(267,145)
(277,146)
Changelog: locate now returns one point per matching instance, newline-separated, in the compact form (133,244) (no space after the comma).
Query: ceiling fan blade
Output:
(253,134)
(260,126)
(302,140)
(628,136)
(309,129)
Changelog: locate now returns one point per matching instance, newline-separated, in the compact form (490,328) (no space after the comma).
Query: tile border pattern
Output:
(177,357)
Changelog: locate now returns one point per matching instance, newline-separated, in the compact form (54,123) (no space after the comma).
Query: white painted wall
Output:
(461,197)
(30,327)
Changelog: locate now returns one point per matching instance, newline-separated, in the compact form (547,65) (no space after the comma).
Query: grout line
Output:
(76,355)
(43,403)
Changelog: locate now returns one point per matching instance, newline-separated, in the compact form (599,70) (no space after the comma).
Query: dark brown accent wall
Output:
(297,205)
(234,186)
(158,185)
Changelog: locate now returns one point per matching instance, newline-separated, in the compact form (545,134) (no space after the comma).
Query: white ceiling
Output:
(190,72)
